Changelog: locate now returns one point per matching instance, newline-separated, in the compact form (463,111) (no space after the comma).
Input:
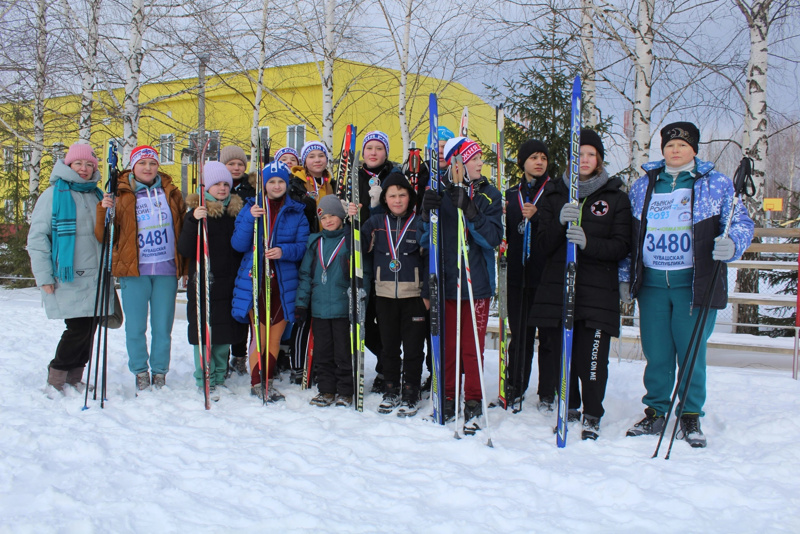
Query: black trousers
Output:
(589,370)
(372,333)
(75,347)
(520,351)
(402,321)
(333,362)
(299,344)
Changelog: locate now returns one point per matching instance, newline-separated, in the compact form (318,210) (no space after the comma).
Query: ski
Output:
(434,255)
(202,295)
(414,161)
(463,129)
(264,161)
(502,264)
(357,291)
(568,314)
(255,275)
(345,161)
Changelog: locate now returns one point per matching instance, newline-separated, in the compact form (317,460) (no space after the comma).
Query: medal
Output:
(324,276)
(394,265)
(323,263)
(521,227)
(313,194)
(374,181)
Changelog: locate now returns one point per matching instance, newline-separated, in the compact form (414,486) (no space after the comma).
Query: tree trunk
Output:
(130,108)
(40,81)
(590,113)
(403,89)
(327,75)
(88,75)
(643,67)
(262,64)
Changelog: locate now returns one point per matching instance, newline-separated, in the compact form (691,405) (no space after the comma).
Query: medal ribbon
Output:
(335,252)
(392,247)
(527,233)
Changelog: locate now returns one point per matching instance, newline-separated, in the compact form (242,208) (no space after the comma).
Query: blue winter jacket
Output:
(290,234)
(712,200)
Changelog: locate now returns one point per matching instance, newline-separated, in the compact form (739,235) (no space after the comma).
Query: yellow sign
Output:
(773,204)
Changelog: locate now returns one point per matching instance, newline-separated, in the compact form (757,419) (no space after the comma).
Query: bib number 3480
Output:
(669,243)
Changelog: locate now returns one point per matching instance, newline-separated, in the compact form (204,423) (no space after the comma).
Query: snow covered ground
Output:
(161,463)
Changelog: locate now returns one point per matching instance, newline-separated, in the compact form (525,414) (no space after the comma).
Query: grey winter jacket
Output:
(76,298)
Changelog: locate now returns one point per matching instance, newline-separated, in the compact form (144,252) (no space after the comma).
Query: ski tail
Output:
(343,171)
(570,271)
(434,278)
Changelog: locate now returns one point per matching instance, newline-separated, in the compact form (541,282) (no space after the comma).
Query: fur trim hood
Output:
(217,209)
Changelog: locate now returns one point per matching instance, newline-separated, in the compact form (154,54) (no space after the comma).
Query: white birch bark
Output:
(40,82)
(130,106)
(591,116)
(262,64)
(643,67)
(328,57)
(88,72)
(402,101)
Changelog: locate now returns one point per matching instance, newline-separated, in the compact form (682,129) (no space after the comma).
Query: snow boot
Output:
(142,381)
(159,380)
(591,427)
(426,386)
(379,384)
(449,410)
(691,431)
(273,395)
(391,399)
(56,378)
(546,404)
(344,401)
(323,399)
(74,377)
(239,364)
(472,416)
(296,376)
(651,424)
(408,406)
(573,416)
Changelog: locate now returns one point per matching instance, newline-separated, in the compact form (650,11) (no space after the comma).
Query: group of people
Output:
(657,244)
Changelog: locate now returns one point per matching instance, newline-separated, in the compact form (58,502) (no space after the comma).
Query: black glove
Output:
(430,201)
(460,198)
(300,314)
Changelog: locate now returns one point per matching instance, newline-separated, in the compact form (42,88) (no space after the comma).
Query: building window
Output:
(167,148)
(27,152)
(8,158)
(296,136)
(9,210)
(212,152)
(263,136)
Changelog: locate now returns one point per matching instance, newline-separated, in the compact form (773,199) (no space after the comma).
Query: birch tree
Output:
(590,113)
(40,82)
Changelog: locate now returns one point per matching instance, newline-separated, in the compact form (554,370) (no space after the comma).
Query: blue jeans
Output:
(156,292)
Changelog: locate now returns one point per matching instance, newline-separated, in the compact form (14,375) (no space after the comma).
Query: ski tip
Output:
(577,82)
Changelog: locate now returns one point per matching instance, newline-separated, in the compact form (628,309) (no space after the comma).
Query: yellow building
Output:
(290,114)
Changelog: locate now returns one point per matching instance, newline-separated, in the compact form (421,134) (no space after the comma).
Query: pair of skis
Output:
(203,297)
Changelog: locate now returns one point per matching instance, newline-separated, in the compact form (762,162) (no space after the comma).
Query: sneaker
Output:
(378,385)
(651,424)
(159,380)
(323,399)
(591,427)
(391,399)
(546,404)
(472,414)
(344,401)
(408,406)
(449,410)
(143,381)
(691,431)
(239,365)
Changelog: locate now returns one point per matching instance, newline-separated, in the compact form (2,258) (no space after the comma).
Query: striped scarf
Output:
(63,225)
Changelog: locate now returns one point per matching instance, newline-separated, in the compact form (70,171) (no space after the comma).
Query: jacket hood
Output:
(703,167)
(217,209)
(65,172)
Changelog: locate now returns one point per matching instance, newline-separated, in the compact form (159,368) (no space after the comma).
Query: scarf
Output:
(63,224)
(210,198)
(588,187)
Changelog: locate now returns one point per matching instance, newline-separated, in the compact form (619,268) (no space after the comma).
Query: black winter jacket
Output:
(413,273)
(516,241)
(606,221)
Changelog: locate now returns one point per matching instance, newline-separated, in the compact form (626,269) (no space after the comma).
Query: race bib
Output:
(156,238)
(668,240)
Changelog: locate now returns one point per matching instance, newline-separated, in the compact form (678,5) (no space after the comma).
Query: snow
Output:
(161,463)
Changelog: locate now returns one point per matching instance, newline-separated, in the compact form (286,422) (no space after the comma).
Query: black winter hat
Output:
(398,179)
(685,131)
(590,137)
(529,147)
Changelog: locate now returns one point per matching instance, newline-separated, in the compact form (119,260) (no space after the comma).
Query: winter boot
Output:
(142,381)
(323,399)
(691,432)
(379,384)
(344,401)
(573,416)
(408,406)
(426,386)
(472,416)
(56,378)
(391,399)
(449,410)
(74,377)
(273,395)
(239,365)
(546,404)
(650,425)
(296,376)
(159,380)
(591,427)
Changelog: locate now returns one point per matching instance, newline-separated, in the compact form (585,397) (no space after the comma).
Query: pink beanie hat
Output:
(215,172)
(80,151)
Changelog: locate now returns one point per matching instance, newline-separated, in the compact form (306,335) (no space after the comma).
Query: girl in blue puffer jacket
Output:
(287,235)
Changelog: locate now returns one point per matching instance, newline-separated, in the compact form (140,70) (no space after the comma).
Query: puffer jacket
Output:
(290,233)
(328,300)
(126,243)
(712,201)
(301,189)
(224,263)
(76,298)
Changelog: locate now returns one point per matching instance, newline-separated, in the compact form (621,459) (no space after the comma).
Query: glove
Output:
(375,196)
(575,234)
(430,201)
(460,198)
(300,314)
(569,213)
(625,292)
(724,249)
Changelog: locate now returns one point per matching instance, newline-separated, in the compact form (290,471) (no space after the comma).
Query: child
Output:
(392,240)
(220,211)
(480,203)
(288,156)
(235,160)
(324,281)
(312,181)
(149,218)
(603,237)
(279,258)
